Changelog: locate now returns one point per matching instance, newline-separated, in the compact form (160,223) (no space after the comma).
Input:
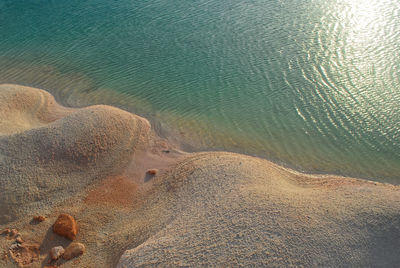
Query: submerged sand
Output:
(200,209)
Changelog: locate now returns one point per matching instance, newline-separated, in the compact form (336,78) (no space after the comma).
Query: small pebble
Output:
(19,239)
(14,246)
(152,171)
(39,218)
(56,252)
(74,249)
(5,231)
(13,232)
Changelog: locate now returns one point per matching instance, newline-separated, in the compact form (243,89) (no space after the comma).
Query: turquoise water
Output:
(312,84)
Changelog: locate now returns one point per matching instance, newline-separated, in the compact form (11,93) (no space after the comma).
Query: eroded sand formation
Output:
(214,209)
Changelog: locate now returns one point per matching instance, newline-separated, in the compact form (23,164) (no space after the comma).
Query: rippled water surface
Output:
(313,84)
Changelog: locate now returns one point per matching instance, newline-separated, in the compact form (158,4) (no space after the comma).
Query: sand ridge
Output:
(199,209)
(23,108)
(233,210)
(62,153)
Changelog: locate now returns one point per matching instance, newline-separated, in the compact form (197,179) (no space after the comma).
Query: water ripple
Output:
(312,84)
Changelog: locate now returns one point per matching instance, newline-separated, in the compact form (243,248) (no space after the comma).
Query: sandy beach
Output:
(191,209)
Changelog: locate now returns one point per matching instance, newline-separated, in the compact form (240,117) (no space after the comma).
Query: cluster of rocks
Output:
(67,227)
(10,233)
(74,249)
(25,253)
(21,252)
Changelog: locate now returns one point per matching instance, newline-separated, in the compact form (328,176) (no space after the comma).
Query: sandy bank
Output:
(213,209)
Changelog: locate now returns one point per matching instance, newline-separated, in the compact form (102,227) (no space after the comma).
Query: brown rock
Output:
(66,226)
(4,256)
(10,233)
(152,171)
(56,253)
(13,233)
(19,239)
(39,218)
(75,249)
(5,231)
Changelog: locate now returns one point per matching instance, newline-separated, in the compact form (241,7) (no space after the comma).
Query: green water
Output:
(312,84)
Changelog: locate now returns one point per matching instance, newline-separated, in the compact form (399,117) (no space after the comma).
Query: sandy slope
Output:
(214,209)
(51,152)
(228,209)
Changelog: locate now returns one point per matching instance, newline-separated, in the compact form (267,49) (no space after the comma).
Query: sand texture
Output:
(193,209)
(51,152)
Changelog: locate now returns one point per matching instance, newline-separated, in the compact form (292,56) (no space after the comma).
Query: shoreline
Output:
(192,209)
(165,131)
(175,138)
(85,92)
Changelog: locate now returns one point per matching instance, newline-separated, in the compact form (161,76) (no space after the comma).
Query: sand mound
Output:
(53,152)
(201,209)
(228,210)
(23,108)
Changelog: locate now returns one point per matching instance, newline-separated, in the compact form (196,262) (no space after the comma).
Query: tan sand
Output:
(200,209)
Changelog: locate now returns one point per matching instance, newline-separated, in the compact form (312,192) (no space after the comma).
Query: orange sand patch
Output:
(118,190)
